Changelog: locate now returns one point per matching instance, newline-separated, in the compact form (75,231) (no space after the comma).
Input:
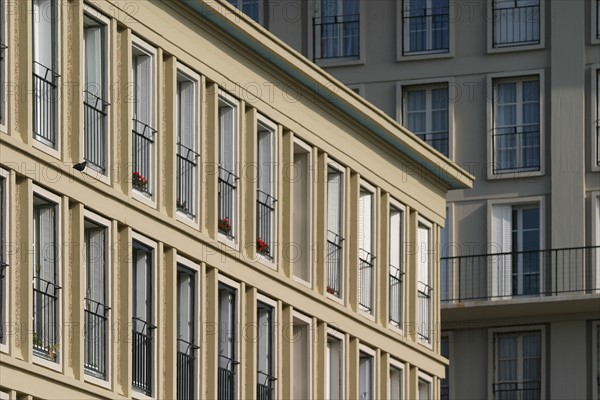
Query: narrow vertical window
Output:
(301,212)
(336,30)
(265,196)
(228,175)
(265,353)
(366,259)
(423,284)
(334,368)
(516,22)
(301,349)
(45,72)
(335,238)
(396,267)
(426,26)
(228,358)
(396,383)
(3,257)
(424,389)
(518,366)
(365,376)
(186,333)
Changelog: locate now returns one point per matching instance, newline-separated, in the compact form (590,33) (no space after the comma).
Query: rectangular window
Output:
(143,131)
(143,319)
(265,353)
(424,389)
(518,365)
(4,299)
(95,93)
(46,271)
(45,71)
(334,368)
(366,259)
(228,359)
(301,348)
(426,26)
(96,311)
(335,237)
(396,383)
(228,175)
(187,145)
(336,30)
(423,284)
(598,111)
(365,376)
(186,333)
(516,131)
(265,193)
(251,8)
(516,22)
(426,114)
(301,212)
(396,275)
(445,383)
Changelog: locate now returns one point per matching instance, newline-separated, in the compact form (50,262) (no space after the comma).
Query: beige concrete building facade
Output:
(509,90)
(191,209)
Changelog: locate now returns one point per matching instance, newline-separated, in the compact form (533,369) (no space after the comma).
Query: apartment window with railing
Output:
(252,8)
(228,172)
(336,30)
(95,93)
(265,352)
(301,183)
(302,357)
(46,279)
(187,145)
(425,26)
(516,22)
(366,259)
(3,256)
(3,51)
(335,237)
(45,72)
(426,114)
(516,125)
(365,376)
(518,365)
(186,333)
(228,336)
(266,198)
(143,133)
(96,301)
(143,332)
(424,288)
(334,368)
(396,382)
(396,274)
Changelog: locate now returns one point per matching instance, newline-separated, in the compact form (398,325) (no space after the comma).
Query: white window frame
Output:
(514,47)
(398,207)
(343,197)
(367,351)
(6,293)
(595,116)
(432,323)
(274,339)
(306,251)
(363,239)
(422,376)
(57,201)
(237,328)
(399,367)
(301,319)
(491,93)
(340,337)
(492,354)
(185,74)
(5,40)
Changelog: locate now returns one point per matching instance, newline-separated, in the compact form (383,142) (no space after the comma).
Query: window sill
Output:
(425,55)
(55,366)
(231,243)
(366,314)
(139,196)
(265,261)
(510,48)
(334,298)
(339,62)
(185,219)
(140,396)
(97,175)
(97,381)
(514,174)
(45,148)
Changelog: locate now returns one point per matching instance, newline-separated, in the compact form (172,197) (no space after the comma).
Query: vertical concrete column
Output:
(351,368)
(248,336)
(568,358)
(114,302)
(285,208)
(383,260)
(163,172)
(351,248)
(23,271)
(122,116)
(72,80)
(319,363)
(123,311)
(410,276)
(73,337)
(15,250)
(285,366)
(210,150)
(320,219)
(248,180)
(167,322)
(167,136)
(210,333)
(383,384)
(21,118)
(115,89)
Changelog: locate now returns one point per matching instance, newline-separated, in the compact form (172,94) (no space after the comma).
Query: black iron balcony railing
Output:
(518,25)
(396,281)
(265,216)
(94,124)
(525,273)
(425,30)
(186,361)
(45,318)
(143,355)
(437,140)
(186,180)
(336,36)
(45,104)
(95,328)
(527,390)
(365,276)
(227,193)
(516,148)
(143,154)
(334,263)
(424,305)
(264,386)
(3,266)
(226,378)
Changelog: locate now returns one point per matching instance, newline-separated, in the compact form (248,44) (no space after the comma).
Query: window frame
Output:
(399,366)
(514,47)
(308,323)
(595,24)
(232,285)
(364,351)
(341,339)
(331,164)
(308,257)
(428,379)
(401,209)
(365,187)
(274,359)
(5,226)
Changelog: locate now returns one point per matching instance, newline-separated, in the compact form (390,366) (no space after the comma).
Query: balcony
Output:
(95,330)
(516,25)
(336,36)
(143,355)
(264,386)
(94,126)
(142,156)
(226,378)
(526,390)
(334,263)
(45,104)
(265,216)
(45,318)
(365,280)
(227,195)
(396,282)
(516,148)
(186,360)
(539,273)
(186,179)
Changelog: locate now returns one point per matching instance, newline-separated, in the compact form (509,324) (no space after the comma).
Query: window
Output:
(96,302)
(95,93)
(425,26)
(46,279)
(4,241)
(516,233)
(597,361)
(424,388)
(426,114)
(396,382)
(45,72)
(228,176)
(598,19)
(186,332)
(228,336)
(336,30)
(516,22)
(518,365)
(302,357)
(143,133)
(335,238)
(3,47)
(301,181)
(516,130)
(396,276)
(365,376)
(187,145)
(143,318)
(598,111)
(424,288)
(265,194)
(251,8)
(334,368)
(265,353)
(366,259)
(445,383)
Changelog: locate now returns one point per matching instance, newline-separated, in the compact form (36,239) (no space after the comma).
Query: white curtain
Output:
(45,307)
(516,21)
(226,138)
(44,34)
(142,78)
(185,307)
(395,239)
(334,202)
(505,144)
(334,370)
(141,290)
(416,111)
(264,342)
(227,327)
(96,265)
(365,223)
(186,106)
(423,237)
(501,265)
(94,57)
(365,377)
(506,358)
(266,149)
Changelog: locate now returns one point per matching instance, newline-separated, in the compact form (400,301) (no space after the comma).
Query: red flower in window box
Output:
(224,226)
(139,182)
(262,247)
